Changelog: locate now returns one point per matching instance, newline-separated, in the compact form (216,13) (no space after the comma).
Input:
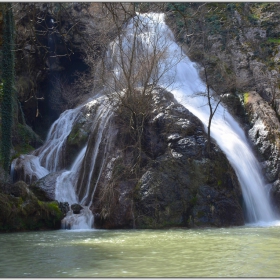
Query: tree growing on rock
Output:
(136,64)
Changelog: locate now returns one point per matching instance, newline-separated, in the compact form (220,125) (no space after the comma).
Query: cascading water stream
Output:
(75,185)
(224,129)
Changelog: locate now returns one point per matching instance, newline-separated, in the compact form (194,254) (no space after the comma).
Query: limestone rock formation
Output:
(179,184)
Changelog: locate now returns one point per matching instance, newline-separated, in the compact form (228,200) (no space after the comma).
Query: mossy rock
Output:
(21,210)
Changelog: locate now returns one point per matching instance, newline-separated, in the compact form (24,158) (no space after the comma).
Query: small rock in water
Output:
(76,208)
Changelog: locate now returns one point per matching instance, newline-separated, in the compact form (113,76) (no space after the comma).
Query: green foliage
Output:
(8,85)
(246,97)
(54,209)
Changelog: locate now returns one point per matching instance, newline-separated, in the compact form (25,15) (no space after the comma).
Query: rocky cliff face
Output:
(70,38)
(246,40)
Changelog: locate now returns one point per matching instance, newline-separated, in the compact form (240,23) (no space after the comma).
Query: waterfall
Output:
(224,129)
(79,182)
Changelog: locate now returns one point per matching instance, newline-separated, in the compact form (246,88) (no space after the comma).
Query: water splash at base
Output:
(84,220)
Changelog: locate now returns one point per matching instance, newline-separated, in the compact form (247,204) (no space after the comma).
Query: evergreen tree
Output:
(8,83)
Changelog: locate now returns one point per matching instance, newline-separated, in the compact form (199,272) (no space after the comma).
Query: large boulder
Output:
(180,184)
(76,208)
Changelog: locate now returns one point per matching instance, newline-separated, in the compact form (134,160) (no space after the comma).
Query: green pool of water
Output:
(226,252)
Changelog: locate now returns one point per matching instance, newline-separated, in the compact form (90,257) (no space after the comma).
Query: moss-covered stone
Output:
(39,192)
(21,210)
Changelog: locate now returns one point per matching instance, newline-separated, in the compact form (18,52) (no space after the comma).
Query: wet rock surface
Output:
(44,188)
(64,207)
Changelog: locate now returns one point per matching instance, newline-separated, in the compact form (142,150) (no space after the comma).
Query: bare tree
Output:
(215,71)
(136,63)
